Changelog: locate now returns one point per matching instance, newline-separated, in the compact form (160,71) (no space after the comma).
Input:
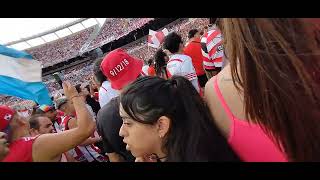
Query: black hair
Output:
(34,121)
(192,135)
(192,32)
(88,87)
(172,42)
(100,77)
(78,88)
(160,63)
(150,62)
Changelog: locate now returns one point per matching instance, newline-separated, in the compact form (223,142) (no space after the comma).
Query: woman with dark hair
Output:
(267,99)
(168,119)
(160,63)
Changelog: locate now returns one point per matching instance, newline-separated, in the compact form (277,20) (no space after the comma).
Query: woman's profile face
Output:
(141,139)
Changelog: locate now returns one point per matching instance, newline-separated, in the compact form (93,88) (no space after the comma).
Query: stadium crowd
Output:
(244,89)
(69,46)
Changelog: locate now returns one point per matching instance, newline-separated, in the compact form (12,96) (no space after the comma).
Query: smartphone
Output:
(57,77)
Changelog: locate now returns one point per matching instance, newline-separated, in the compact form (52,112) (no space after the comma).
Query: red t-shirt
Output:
(96,96)
(151,71)
(193,49)
(20,150)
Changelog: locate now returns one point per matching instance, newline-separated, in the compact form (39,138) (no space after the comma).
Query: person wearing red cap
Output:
(45,147)
(4,149)
(121,69)
(106,92)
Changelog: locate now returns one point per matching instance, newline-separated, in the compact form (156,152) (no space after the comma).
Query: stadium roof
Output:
(24,33)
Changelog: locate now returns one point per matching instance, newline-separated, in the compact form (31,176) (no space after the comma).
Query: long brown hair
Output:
(275,63)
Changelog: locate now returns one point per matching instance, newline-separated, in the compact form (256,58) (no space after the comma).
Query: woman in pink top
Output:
(266,101)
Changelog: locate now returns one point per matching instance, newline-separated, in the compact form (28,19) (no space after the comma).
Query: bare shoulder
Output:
(215,107)
(209,88)
(40,149)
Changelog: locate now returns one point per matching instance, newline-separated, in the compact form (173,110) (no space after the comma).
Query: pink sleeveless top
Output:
(248,140)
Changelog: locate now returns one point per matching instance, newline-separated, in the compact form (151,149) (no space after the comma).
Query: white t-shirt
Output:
(106,93)
(145,70)
(180,64)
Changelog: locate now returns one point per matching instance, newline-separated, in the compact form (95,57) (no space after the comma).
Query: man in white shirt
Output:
(106,92)
(179,63)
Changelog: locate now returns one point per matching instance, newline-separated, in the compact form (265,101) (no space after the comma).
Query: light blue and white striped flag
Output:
(21,76)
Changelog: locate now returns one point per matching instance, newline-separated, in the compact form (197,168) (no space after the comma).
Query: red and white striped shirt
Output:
(83,153)
(212,49)
(180,64)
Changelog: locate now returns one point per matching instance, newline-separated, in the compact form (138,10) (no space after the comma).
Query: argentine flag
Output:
(21,76)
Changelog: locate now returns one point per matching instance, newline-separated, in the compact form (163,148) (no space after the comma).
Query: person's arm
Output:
(90,140)
(72,123)
(49,147)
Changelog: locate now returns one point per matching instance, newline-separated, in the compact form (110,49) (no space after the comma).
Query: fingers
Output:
(69,89)
(66,85)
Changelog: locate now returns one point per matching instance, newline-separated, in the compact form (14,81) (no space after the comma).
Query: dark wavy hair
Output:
(160,63)
(192,135)
(100,77)
(275,62)
(172,42)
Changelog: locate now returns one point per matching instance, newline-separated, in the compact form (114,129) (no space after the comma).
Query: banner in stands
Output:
(156,38)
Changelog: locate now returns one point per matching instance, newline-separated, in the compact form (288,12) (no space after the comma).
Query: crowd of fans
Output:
(140,47)
(60,50)
(68,47)
(80,73)
(256,103)
(116,28)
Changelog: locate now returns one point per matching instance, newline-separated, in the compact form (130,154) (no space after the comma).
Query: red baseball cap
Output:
(120,68)
(6,115)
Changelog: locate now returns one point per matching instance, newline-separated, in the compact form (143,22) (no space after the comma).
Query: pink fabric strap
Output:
(223,102)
